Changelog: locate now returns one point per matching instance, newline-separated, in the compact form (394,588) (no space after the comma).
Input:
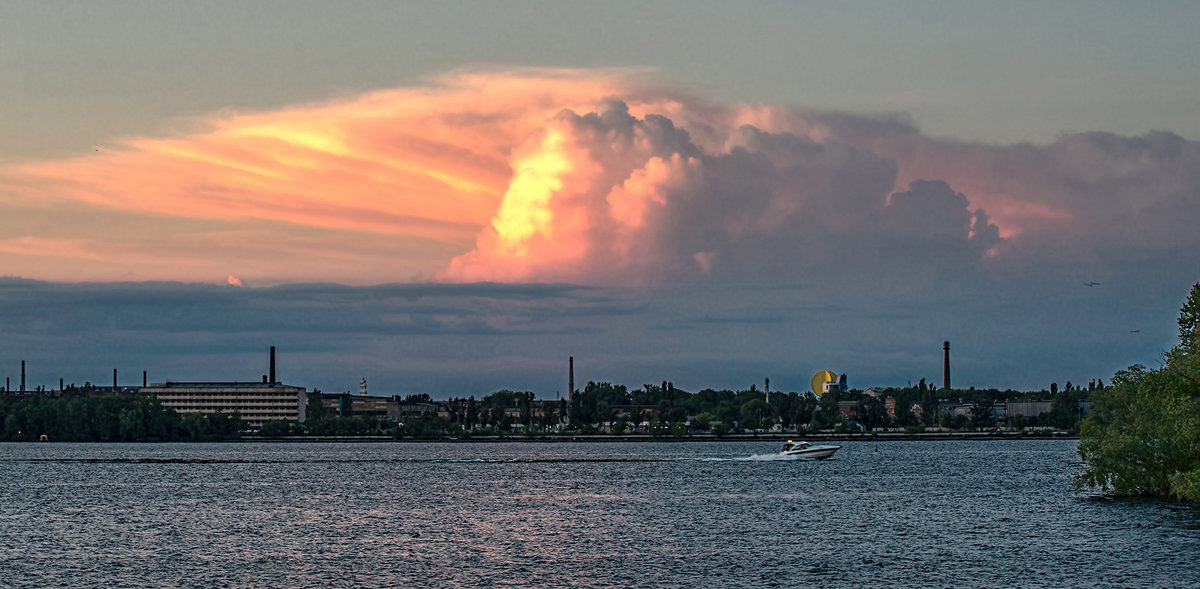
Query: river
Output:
(901,513)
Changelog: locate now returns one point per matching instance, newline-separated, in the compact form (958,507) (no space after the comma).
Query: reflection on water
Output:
(965,514)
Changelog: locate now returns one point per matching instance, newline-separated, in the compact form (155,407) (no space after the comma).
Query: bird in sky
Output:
(1135,331)
(1091,284)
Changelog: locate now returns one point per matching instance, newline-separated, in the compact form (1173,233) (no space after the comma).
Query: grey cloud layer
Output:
(477,338)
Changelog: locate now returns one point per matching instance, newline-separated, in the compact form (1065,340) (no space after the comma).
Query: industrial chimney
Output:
(114,380)
(570,378)
(22,376)
(272,373)
(144,379)
(946,365)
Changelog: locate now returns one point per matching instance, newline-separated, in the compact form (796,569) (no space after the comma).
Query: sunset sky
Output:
(453,197)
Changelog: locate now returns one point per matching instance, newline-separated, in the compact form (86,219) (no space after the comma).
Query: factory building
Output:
(256,402)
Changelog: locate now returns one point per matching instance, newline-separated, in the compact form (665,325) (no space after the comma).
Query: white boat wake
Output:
(769,457)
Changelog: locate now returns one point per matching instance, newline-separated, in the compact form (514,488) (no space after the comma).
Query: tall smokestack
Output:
(272,373)
(570,378)
(60,384)
(114,380)
(946,365)
(22,376)
(143,379)
(767,389)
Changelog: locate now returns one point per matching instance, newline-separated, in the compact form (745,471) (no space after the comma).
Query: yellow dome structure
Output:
(819,379)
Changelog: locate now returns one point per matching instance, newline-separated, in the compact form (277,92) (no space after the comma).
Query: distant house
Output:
(835,385)
(646,411)
(955,407)
(848,409)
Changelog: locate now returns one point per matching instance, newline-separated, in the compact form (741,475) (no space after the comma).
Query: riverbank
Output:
(759,437)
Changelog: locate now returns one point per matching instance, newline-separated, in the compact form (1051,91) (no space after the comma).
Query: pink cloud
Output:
(590,176)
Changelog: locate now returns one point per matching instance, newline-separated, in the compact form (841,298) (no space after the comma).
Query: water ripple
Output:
(921,514)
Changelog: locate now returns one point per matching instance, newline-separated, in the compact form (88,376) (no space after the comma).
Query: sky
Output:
(454,197)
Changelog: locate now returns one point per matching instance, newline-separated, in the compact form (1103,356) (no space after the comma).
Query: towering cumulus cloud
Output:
(610,197)
(595,177)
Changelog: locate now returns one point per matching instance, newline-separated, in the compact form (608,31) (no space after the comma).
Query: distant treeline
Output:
(79,416)
(85,416)
(1143,434)
(917,406)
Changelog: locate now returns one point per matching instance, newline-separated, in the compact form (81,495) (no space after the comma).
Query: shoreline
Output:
(764,437)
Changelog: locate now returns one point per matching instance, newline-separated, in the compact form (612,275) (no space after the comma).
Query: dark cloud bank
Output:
(476,338)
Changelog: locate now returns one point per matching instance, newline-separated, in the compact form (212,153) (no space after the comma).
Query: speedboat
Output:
(806,450)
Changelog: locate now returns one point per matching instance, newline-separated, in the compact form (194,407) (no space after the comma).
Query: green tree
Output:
(981,413)
(472,412)
(314,409)
(751,414)
(620,426)
(1184,359)
(549,415)
(871,412)
(275,428)
(525,403)
(1143,434)
(1189,318)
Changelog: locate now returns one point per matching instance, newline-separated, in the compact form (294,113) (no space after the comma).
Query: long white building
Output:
(257,402)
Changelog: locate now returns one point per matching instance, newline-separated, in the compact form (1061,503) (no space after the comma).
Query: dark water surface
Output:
(926,514)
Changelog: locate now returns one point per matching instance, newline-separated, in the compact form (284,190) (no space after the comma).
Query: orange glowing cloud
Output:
(425,164)
(83,249)
(579,203)
(399,161)
(587,176)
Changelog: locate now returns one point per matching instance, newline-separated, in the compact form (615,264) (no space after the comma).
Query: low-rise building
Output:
(383,408)
(889,406)
(848,409)
(345,404)
(955,407)
(1028,408)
